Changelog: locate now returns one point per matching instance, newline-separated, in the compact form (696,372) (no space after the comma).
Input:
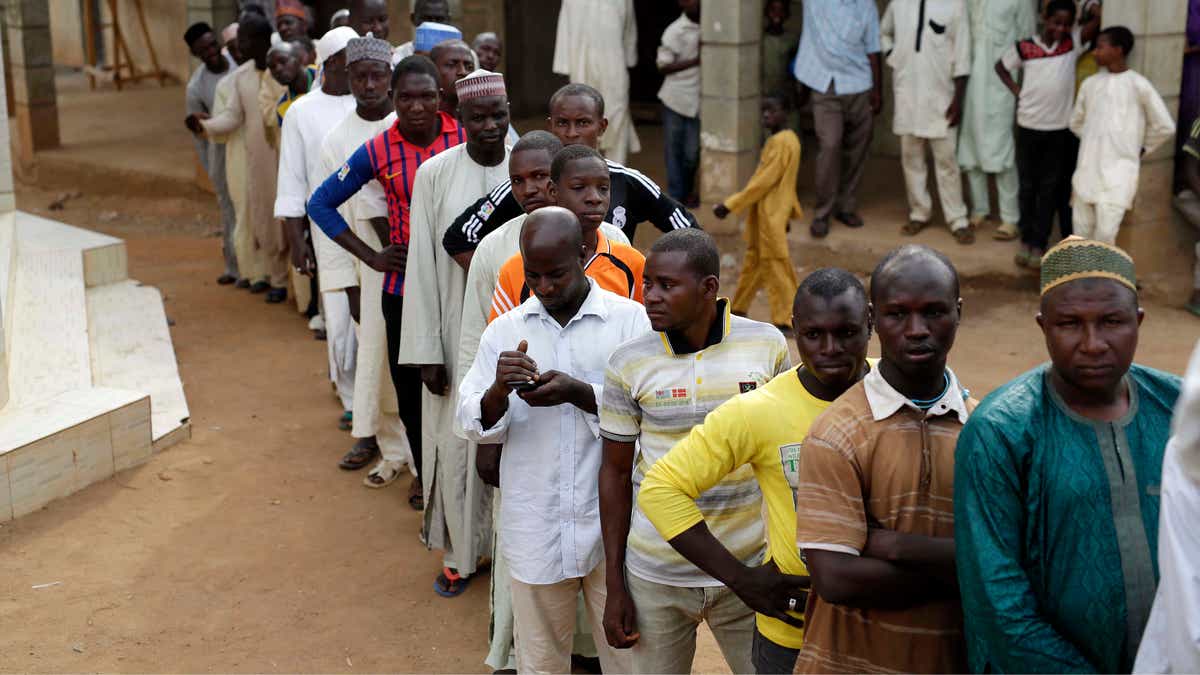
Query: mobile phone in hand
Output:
(522,385)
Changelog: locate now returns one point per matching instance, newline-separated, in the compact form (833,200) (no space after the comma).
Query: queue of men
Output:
(628,455)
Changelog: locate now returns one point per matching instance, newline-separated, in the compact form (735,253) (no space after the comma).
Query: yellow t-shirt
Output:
(763,428)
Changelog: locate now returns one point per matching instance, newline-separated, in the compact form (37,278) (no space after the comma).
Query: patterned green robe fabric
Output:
(1056,525)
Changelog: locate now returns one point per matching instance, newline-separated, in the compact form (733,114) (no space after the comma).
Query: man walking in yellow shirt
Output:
(763,429)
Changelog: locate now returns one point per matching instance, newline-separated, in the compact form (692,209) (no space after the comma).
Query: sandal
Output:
(346,421)
(819,228)
(1006,232)
(965,235)
(449,584)
(416,497)
(912,227)
(850,219)
(360,455)
(383,474)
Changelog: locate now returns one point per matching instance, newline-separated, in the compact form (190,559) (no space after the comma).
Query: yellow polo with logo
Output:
(761,431)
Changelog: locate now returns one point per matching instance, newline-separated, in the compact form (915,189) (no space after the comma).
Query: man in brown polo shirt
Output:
(875,499)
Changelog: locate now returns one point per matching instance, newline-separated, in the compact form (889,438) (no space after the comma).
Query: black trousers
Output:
(1044,168)
(406,379)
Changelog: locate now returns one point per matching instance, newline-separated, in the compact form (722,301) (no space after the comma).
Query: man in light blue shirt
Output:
(838,64)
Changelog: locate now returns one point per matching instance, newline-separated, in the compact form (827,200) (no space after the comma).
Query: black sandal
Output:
(362,454)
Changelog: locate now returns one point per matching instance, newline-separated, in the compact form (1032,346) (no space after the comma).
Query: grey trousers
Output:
(844,125)
(1189,206)
(216,173)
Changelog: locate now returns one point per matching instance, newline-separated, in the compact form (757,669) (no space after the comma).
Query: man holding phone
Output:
(549,525)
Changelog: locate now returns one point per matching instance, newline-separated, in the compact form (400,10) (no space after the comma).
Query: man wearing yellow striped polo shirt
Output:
(656,388)
(762,432)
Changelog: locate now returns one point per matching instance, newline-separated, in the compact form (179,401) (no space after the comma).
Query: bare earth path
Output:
(245,549)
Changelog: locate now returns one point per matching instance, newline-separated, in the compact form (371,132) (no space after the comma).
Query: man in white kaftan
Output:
(457,503)
(305,125)
(985,143)
(596,45)
(928,46)
(1118,117)
(1171,643)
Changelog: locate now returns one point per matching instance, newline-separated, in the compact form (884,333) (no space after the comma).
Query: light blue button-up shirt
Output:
(838,35)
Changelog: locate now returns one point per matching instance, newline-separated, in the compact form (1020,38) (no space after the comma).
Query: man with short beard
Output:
(1057,483)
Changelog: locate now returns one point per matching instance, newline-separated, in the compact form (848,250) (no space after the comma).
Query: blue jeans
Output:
(682,144)
(770,658)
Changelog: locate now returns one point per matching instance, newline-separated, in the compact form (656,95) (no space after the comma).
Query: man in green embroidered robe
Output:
(1057,483)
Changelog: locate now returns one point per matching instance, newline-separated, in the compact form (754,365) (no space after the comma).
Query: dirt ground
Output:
(245,549)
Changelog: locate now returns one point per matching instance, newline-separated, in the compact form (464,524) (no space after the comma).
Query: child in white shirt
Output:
(1118,117)
(1043,141)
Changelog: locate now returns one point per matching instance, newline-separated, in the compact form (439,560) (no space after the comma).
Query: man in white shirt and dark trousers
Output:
(928,46)
(534,386)
(679,61)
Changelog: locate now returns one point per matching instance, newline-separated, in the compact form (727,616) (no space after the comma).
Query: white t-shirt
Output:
(1048,85)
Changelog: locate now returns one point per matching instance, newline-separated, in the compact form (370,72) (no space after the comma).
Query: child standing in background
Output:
(771,198)
(1047,90)
(1118,117)
(678,60)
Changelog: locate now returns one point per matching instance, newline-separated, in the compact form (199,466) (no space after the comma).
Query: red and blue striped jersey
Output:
(394,161)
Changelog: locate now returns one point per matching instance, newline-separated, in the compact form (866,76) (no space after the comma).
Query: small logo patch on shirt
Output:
(343,172)
(486,210)
(670,394)
(747,386)
(619,217)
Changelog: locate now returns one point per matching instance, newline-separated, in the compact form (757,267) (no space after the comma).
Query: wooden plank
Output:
(131,349)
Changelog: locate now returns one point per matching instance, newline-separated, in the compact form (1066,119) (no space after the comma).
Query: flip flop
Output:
(912,227)
(359,456)
(416,500)
(449,584)
(964,235)
(346,421)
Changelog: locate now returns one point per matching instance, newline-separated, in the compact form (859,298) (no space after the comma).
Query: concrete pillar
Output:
(730,128)
(34,100)
(1154,233)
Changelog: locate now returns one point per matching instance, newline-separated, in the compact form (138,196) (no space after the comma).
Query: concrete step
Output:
(131,349)
(92,383)
(60,445)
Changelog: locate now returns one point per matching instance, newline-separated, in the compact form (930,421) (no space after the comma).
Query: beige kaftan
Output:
(240,115)
(457,506)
